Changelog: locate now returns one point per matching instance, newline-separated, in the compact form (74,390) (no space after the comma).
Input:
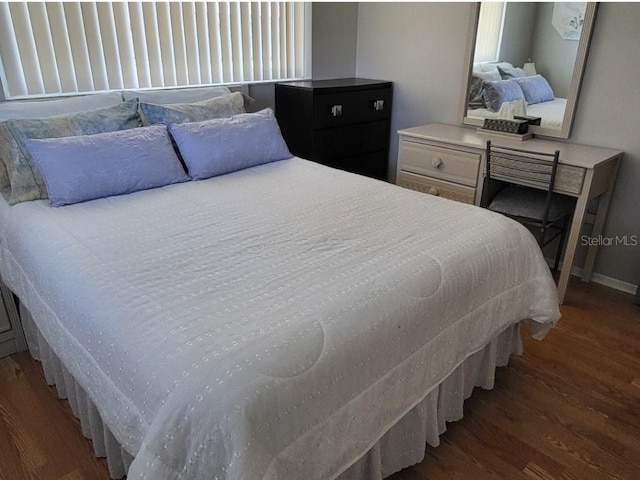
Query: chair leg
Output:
(561,243)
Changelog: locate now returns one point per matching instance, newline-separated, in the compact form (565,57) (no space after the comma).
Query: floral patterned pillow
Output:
(218,107)
(26,182)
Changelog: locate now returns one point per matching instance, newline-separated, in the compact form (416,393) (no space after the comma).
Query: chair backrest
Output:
(522,167)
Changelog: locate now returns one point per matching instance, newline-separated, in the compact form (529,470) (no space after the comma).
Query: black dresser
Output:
(343,123)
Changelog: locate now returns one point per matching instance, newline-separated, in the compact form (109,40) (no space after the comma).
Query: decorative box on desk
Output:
(344,123)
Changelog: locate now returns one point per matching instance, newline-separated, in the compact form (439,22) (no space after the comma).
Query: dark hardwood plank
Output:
(39,436)
(572,400)
(568,409)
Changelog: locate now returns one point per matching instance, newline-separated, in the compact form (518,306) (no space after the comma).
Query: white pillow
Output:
(59,106)
(503,65)
(493,66)
(176,95)
(488,67)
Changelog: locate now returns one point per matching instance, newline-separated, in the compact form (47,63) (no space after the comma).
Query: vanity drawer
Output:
(444,163)
(569,179)
(436,187)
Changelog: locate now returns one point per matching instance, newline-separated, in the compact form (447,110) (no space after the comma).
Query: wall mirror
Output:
(545,41)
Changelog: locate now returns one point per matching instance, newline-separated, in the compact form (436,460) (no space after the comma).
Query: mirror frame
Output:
(574,87)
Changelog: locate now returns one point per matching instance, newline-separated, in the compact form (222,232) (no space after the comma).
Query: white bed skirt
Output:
(402,446)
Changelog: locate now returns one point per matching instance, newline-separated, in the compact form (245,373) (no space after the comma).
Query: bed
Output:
(284,320)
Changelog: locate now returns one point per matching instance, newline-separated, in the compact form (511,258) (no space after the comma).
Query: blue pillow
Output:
(80,168)
(495,93)
(224,145)
(536,89)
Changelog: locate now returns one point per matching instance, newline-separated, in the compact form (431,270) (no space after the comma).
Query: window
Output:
(489,33)
(73,47)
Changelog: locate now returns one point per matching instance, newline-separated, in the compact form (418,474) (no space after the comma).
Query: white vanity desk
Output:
(447,160)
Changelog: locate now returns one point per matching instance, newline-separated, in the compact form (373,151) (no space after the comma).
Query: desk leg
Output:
(598,224)
(574,234)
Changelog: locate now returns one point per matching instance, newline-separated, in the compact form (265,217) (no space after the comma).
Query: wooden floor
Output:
(569,408)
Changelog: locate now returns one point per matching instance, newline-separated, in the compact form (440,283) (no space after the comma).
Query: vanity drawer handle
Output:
(434,191)
(436,162)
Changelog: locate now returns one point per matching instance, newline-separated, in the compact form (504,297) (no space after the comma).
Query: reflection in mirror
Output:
(527,58)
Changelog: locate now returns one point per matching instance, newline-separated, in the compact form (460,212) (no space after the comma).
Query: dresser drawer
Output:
(350,141)
(436,187)
(356,139)
(444,163)
(345,108)
(372,165)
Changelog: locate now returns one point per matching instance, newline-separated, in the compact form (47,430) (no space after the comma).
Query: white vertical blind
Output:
(71,47)
(489,33)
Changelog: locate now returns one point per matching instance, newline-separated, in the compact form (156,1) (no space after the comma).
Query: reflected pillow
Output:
(25,179)
(224,145)
(477,86)
(218,107)
(495,93)
(536,89)
(81,168)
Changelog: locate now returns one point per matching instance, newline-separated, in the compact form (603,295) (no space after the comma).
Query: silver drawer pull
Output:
(336,110)
(436,162)
(378,105)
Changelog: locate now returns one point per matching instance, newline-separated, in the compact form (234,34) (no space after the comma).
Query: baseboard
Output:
(602,279)
(608,281)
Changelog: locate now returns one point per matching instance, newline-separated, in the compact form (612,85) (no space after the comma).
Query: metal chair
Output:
(519,184)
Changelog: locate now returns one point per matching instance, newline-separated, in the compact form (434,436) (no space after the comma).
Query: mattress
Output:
(270,323)
(551,112)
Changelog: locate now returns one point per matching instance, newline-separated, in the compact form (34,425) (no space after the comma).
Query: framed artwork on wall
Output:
(568,18)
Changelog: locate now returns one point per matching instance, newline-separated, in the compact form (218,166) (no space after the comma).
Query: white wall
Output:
(334,30)
(333,43)
(517,35)
(554,57)
(420,47)
(608,115)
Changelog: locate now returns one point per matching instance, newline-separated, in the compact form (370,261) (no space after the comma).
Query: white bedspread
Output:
(272,323)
